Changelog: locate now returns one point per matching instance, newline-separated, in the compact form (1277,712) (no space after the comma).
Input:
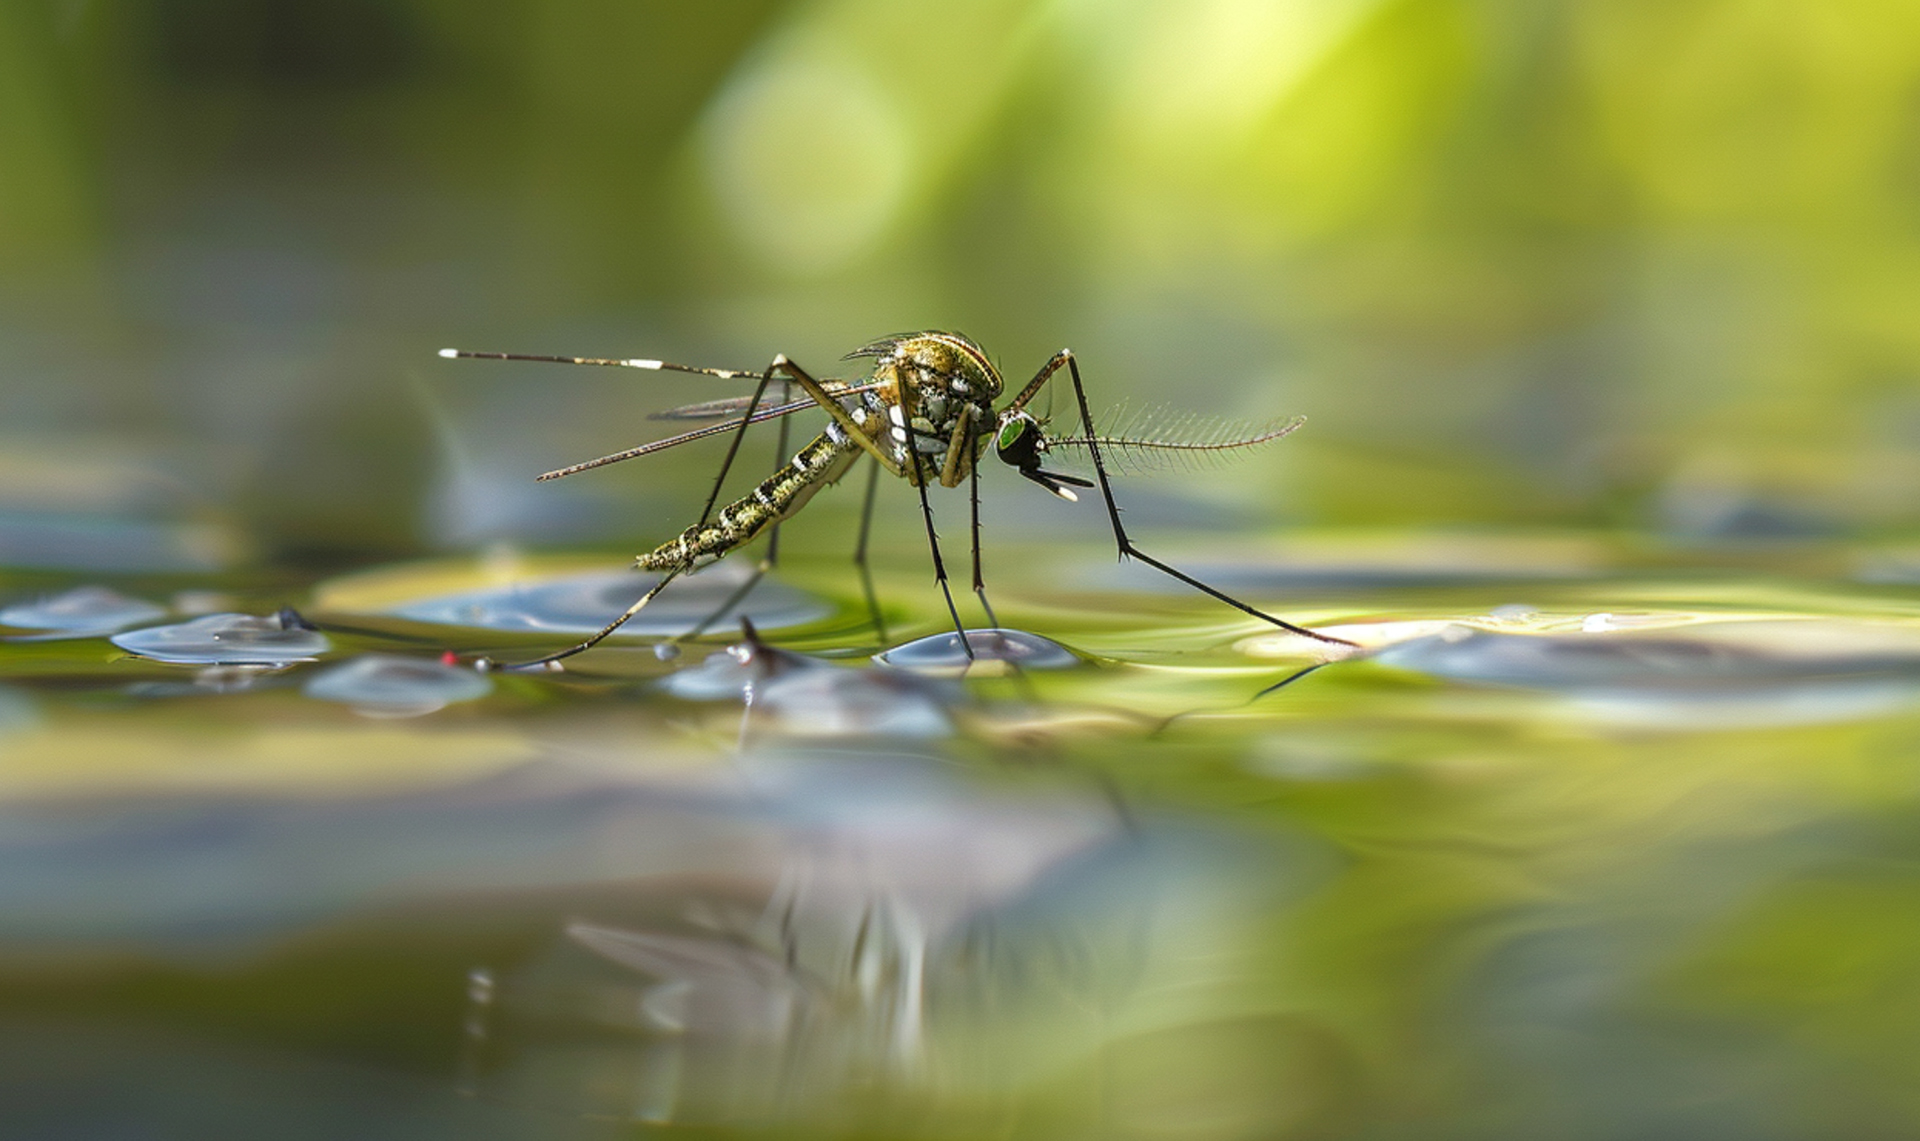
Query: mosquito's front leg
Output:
(933,542)
(1120,537)
(979,580)
(1039,380)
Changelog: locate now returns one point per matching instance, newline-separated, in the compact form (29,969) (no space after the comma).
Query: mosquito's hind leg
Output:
(767,561)
(706,512)
(1120,536)
(860,553)
(598,636)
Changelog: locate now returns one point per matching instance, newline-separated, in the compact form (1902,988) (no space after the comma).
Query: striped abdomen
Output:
(777,497)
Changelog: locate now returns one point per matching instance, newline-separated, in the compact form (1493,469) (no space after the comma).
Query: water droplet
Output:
(666,651)
(582,604)
(84,612)
(941,653)
(225,639)
(812,697)
(396,686)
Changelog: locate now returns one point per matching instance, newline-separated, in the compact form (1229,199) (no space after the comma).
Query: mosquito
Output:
(925,413)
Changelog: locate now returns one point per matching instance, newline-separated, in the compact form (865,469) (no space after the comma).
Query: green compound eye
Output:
(1011,431)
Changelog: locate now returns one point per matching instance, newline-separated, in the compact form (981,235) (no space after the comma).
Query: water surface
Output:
(1591,844)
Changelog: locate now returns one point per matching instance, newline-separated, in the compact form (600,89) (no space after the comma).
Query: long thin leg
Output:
(980,585)
(706,512)
(733,445)
(819,395)
(860,553)
(979,582)
(767,561)
(939,565)
(779,457)
(1120,537)
(734,598)
(652,593)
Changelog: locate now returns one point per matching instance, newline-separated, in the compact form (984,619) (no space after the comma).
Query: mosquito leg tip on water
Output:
(449,353)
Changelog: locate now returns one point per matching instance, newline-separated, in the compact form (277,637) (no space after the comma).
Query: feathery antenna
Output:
(1155,439)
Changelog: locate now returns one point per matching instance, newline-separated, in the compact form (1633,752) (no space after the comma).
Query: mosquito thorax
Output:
(932,384)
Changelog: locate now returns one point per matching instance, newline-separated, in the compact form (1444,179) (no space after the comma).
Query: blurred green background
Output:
(1650,264)
(1644,266)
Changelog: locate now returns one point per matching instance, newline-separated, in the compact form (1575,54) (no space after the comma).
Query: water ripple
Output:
(941,653)
(1712,674)
(582,604)
(391,685)
(810,697)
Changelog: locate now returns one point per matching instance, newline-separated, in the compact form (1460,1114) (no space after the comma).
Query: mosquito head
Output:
(1019,441)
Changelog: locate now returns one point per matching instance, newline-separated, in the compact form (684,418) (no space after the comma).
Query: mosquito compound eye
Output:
(1013,441)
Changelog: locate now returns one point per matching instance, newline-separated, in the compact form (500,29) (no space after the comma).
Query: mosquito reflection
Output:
(915,943)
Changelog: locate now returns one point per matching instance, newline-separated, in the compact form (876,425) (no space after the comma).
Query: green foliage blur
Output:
(1651,264)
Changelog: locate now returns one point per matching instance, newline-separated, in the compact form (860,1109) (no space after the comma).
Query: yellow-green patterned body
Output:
(931,413)
(777,497)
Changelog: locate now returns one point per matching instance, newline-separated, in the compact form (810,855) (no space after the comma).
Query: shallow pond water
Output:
(1587,839)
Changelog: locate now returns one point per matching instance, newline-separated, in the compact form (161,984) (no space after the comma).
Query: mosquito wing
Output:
(735,405)
(708,410)
(1157,439)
